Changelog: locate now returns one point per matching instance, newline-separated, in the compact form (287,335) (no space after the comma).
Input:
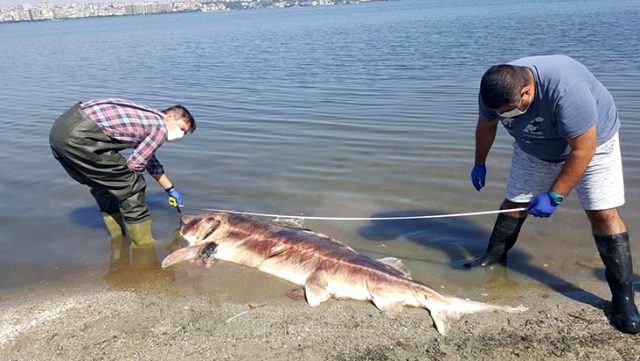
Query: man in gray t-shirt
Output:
(565,125)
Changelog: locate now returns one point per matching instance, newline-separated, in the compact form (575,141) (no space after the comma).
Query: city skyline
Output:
(39,3)
(6,3)
(48,11)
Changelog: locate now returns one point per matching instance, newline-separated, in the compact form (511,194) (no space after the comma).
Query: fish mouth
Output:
(204,252)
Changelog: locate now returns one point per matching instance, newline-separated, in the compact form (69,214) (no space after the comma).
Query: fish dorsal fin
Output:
(397,265)
(286,222)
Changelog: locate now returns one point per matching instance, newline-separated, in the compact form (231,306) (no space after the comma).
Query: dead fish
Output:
(325,267)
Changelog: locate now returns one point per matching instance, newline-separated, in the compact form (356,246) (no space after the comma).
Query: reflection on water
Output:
(438,235)
(344,111)
(130,266)
(133,267)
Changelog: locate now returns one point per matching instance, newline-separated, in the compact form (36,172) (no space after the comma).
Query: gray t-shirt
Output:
(568,101)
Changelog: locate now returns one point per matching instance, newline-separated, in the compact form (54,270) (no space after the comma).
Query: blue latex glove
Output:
(478,175)
(175,198)
(542,205)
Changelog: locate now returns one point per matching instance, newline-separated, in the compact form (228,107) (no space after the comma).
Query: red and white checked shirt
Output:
(140,126)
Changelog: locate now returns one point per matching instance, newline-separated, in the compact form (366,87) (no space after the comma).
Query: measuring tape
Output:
(174,203)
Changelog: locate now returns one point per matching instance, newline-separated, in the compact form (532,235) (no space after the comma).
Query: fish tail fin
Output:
(443,313)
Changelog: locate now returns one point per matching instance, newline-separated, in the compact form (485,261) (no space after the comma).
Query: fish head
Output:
(201,229)
(186,219)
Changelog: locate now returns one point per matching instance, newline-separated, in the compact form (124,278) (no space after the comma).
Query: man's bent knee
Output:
(606,222)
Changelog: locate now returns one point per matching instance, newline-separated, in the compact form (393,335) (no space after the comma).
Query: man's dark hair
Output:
(501,85)
(179,112)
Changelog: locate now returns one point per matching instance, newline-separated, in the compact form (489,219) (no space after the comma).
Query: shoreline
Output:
(144,323)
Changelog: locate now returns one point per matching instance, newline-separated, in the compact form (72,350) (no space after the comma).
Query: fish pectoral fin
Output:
(396,264)
(315,289)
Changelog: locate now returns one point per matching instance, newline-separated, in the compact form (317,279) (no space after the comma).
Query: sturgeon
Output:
(324,267)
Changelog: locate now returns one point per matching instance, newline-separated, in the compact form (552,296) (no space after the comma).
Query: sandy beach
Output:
(360,112)
(143,322)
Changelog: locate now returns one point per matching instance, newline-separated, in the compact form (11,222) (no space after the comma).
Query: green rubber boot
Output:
(140,233)
(115,224)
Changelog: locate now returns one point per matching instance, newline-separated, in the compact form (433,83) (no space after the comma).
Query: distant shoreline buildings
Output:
(47,11)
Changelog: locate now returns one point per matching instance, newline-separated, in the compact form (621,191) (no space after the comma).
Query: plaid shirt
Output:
(142,127)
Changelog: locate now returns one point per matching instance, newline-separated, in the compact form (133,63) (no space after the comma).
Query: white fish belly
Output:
(298,277)
(348,291)
(226,253)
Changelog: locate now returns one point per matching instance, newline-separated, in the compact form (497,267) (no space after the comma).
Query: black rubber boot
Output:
(503,238)
(616,255)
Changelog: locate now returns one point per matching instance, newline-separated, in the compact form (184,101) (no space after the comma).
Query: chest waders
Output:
(92,158)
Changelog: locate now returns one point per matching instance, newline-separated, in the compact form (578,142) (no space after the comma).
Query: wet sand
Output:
(142,321)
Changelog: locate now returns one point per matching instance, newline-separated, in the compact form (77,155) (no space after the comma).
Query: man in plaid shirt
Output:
(87,140)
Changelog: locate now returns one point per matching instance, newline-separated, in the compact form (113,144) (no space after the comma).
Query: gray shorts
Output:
(601,186)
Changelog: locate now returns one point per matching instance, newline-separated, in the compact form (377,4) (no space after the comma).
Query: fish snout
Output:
(202,253)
